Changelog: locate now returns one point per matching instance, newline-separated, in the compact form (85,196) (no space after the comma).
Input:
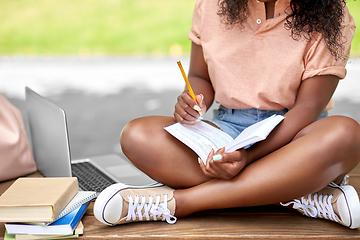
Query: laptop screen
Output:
(49,136)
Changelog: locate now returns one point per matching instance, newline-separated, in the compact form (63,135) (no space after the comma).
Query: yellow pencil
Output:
(187,83)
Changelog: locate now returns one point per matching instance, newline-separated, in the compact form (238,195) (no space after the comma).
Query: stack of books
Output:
(44,208)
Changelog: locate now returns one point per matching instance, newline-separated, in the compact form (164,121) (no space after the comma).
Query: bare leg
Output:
(154,151)
(322,152)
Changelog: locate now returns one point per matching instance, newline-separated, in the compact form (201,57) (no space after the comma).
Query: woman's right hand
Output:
(185,108)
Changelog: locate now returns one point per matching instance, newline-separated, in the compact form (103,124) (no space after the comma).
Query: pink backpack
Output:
(16,158)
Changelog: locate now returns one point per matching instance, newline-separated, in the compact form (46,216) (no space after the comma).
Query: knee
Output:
(343,135)
(131,136)
(143,136)
(344,131)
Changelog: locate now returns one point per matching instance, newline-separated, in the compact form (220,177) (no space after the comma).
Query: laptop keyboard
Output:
(90,178)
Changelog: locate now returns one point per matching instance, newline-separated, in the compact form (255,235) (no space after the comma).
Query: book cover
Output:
(78,231)
(36,199)
(80,198)
(202,137)
(16,237)
(63,226)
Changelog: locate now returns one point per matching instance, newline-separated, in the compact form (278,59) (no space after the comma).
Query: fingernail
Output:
(197,108)
(217,157)
(196,120)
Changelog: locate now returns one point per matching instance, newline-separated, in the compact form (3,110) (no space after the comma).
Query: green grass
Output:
(95,26)
(354,8)
(104,27)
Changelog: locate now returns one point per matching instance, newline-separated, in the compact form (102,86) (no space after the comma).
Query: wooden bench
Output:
(266,222)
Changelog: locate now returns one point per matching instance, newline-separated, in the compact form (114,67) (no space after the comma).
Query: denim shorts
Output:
(234,121)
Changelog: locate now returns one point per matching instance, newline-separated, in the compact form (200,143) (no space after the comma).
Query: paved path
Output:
(107,75)
(98,75)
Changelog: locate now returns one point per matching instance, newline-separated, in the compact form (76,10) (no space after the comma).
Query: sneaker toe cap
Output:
(113,208)
(343,209)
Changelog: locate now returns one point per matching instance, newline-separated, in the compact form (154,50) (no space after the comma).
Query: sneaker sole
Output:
(352,200)
(108,193)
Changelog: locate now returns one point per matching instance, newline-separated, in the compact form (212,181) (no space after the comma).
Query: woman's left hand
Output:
(224,165)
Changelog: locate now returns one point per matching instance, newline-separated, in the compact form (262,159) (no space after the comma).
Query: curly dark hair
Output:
(306,18)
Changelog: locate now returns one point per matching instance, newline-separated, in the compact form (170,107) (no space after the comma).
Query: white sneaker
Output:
(120,203)
(336,203)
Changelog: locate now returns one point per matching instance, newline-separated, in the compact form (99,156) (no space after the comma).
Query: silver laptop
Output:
(50,145)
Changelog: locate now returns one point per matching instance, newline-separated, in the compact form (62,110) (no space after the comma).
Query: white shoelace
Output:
(319,207)
(151,209)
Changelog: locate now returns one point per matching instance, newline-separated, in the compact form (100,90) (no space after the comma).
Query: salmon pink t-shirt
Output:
(261,65)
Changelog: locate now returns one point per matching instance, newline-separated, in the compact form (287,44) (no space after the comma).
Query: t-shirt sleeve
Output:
(194,33)
(318,59)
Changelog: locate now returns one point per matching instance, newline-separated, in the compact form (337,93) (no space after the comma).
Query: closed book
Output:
(36,199)
(63,226)
(78,231)
(80,198)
